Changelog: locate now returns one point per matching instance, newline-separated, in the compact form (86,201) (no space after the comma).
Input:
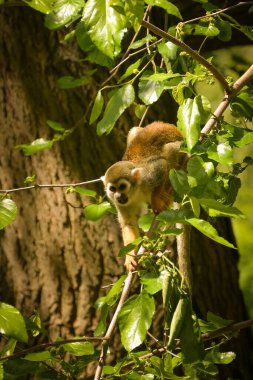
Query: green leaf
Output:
(217,321)
(69,82)
(8,212)
(135,319)
(205,30)
(195,206)
(19,368)
(215,209)
(112,295)
(79,348)
(97,107)
(132,69)
(247,138)
(222,153)
(101,327)
(55,126)
(152,281)
(242,104)
(121,99)
(190,342)
(225,30)
(12,323)
(150,90)
(174,216)
(189,121)
(143,41)
(95,212)
(35,147)
(199,172)
(129,247)
(207,229)
(179,181)
(106,26)
(38,356)
(134,11)
(63,12)
(167,5)
(44,6)
(168,50)
(214,356)
(82,191)
(94,55)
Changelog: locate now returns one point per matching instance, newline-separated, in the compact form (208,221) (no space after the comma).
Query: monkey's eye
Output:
(122,187)
(112,189)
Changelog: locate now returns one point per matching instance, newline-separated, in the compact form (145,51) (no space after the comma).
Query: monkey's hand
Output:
(131,262)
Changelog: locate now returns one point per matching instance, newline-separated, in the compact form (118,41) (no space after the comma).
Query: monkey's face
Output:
(122,182)
(119,191)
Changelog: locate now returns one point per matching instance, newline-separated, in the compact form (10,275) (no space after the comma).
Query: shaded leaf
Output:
(135,319)
(152,281)
(69,82)
(55,126)
(150,90)
(119,101)
(215,209)
(189,120)
(44,6)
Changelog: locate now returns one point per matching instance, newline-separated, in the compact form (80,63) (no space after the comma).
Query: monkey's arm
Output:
(130,232)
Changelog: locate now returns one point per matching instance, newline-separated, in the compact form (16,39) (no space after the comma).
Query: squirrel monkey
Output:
(143,177)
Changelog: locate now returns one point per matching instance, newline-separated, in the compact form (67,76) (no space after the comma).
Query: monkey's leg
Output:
(161,197)
(130,232)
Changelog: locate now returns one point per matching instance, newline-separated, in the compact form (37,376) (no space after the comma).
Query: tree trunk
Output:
(52,259)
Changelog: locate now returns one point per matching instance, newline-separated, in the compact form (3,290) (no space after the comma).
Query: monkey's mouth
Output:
(122,199)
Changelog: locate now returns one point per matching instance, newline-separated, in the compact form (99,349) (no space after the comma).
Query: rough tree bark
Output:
(51,259)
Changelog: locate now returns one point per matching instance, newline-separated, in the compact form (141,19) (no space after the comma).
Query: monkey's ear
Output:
(103,179)
(137,174)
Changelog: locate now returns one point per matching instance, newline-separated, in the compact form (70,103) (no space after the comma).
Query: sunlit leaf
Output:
(79,348)
(44,6)
(95,212)
(8,212)
(35,147)
(63,12)
(189,121)
(134,10)
(12,323)
(152,281)
(106,26)
(150,90)
(55,126)
(39,356)
(97,107)
(207,229)
(167,5)
(215,209)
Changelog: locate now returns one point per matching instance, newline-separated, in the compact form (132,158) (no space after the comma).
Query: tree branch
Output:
(43,346)
(190,51)
(38,186)
(237,86)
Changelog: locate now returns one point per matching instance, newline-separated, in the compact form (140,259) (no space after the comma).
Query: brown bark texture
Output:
(51,258)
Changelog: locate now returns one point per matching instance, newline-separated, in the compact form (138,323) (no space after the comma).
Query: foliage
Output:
(205,190)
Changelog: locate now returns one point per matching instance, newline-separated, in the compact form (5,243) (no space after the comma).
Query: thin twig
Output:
(49,185)
(217,12)
(237,86)
(123,298)
(190,51)
(43,346)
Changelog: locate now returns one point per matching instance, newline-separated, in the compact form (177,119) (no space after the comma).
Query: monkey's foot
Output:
(130,263)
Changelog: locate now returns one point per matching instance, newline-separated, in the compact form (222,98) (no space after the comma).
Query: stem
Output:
(7,191)
(42,346)
(184,255)
(190,51)
(123,298)
(242,81)
(217,12)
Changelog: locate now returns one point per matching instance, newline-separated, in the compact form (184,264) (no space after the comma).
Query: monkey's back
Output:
(149,141)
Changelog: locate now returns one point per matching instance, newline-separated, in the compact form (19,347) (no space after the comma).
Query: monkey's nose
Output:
(122,198)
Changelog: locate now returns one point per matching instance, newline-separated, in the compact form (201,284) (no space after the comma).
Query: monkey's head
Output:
(121,182)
